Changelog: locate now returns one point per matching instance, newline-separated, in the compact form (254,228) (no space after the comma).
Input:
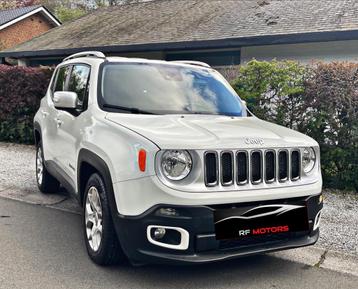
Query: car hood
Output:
(210,131)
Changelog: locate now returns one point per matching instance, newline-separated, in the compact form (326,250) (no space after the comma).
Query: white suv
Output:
(169,165)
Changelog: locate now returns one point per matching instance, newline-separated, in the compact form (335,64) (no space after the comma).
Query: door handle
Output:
(58,122)
(44,113)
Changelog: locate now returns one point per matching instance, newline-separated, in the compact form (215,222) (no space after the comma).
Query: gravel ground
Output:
(339,223)
(339,229)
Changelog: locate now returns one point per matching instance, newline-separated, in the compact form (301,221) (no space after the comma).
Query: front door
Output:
(50,114)
(71,122)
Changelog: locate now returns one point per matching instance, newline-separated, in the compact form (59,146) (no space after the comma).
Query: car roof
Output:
(92,60)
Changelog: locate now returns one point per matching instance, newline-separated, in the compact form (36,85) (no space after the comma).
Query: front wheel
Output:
(45,181)
(101,240)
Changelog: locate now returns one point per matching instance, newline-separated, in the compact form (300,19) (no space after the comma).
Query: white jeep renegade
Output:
(169,165)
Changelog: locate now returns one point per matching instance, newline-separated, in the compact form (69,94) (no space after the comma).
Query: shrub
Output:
(332,104)
(273,90)
(319,100)
(21,90)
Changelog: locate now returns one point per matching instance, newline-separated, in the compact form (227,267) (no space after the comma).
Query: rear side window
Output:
(61,77)
(79,82)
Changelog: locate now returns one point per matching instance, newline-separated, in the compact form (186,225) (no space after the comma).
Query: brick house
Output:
(22,24)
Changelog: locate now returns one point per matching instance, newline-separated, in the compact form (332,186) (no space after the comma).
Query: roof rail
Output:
(96,54)
(192,62)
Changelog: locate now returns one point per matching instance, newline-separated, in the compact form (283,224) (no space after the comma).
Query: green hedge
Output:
(21,90)
(320,100)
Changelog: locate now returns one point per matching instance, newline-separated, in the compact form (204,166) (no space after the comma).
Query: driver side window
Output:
(79,80)
(62,74)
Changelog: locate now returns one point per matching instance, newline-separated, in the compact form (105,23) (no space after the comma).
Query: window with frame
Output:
(61,77)
(78,82)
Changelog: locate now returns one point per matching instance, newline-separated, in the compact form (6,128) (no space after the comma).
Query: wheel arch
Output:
(37,132)
(89,163)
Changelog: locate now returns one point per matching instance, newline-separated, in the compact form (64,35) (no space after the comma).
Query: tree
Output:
(65,14)
(9,4)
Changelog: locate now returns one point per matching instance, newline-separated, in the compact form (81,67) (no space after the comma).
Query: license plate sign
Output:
(259,221)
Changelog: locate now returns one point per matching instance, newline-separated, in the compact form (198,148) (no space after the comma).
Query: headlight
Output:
(176,164)
(308,159)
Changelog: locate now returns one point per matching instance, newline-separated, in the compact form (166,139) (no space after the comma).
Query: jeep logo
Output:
(254,141)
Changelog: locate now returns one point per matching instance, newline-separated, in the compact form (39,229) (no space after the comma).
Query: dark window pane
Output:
(78,81)
(61,79)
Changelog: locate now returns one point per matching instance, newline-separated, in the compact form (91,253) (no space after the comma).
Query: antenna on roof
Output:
(96,54)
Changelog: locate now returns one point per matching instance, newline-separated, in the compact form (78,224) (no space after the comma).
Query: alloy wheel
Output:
(93,218)
(39,166)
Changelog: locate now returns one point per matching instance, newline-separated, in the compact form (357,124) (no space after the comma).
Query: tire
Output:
(46,183)
(102,243)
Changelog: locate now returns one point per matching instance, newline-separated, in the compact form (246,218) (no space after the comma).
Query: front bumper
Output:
(203,246)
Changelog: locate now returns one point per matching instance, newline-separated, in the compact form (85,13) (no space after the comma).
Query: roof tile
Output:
(11,14)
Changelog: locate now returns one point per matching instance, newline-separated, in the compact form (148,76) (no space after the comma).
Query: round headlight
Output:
(176,164)
(308,159)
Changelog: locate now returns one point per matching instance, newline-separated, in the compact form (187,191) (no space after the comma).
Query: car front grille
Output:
(244,167)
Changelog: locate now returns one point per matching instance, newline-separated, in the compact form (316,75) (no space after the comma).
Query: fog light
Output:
(159,233)
(168,237)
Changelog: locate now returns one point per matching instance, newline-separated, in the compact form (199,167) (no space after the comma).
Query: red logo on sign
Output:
(270,230)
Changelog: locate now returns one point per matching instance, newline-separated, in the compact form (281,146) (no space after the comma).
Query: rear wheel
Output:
(101,240)
(45,181)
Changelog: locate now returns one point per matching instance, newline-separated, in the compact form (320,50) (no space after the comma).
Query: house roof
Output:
(172,25)
(11,16)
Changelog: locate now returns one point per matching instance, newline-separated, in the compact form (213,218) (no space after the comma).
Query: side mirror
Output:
(65,99)
(244,102)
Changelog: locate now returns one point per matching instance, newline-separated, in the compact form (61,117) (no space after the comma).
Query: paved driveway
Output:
(43,248)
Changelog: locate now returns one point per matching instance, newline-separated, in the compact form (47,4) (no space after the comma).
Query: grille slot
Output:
(242,168)
(227,168)
(211,169)
(283,166)
(270,167)
(256,167)
(295,165)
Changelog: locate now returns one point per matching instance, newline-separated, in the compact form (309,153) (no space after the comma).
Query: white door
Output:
(71,122)
(50,114)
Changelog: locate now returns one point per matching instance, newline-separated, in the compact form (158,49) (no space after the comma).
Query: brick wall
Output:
(24,30)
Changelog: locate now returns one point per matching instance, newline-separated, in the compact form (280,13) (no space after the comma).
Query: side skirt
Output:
(57,172)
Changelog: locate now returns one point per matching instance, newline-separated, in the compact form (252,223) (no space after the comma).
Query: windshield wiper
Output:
(129,109)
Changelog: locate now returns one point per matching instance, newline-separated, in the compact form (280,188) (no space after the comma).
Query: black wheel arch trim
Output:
(92,159)
(37,129)
(101,167)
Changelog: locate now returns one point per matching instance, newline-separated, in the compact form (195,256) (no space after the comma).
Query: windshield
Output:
(167,89)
